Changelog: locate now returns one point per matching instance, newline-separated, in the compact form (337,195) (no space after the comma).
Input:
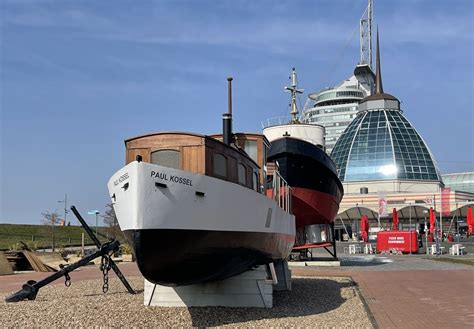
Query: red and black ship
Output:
(297,151)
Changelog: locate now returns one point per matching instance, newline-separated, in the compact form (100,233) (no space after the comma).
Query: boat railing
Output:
(276,121)
(281,192)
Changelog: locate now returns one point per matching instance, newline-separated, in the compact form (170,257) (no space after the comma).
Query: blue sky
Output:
(78,77)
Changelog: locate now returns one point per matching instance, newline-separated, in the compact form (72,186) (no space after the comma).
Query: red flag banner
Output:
(445,201)
(395,219)
(470,221)
(432,221)
(383,211)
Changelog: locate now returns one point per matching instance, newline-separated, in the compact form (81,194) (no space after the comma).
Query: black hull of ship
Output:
(183,257)
(317,191)
(305,165)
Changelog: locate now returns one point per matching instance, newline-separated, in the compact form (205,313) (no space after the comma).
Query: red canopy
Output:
(364,228)
(432,221)
(395,219)
(470,221)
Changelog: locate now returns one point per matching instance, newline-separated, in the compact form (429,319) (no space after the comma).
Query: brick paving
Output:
(411,292)
(438,295)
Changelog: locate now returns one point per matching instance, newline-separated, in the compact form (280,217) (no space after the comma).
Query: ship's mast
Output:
(366,35)
(294,90)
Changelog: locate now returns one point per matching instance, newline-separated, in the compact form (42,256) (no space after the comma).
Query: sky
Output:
(79,77)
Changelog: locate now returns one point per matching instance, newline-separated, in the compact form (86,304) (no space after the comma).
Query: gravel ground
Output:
(313,302)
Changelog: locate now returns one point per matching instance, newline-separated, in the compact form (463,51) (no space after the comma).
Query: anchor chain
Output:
(67,281)
(105,268)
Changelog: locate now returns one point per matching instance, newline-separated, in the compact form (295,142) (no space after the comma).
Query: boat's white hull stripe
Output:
(148,196)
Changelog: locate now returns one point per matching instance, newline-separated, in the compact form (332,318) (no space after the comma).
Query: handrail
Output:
(281,192)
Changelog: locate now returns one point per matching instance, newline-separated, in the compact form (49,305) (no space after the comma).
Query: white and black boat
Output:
(193,208)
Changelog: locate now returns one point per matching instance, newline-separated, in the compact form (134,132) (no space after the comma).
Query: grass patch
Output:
(465,261)
(39,236)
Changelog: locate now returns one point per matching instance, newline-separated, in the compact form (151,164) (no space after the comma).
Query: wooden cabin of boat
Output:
(255,145)
(206,155)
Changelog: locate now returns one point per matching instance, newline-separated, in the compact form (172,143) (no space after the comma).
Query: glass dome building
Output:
(381,144)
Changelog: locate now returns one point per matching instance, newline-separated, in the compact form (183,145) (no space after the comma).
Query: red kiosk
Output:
(397,241)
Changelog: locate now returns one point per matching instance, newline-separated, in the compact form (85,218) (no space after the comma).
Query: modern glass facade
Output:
(335,108)
(460,181)
(380,145)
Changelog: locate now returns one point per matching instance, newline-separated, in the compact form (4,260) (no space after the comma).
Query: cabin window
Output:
(255,181)
(250,148)
(167,158)
(220,165)
(241,174)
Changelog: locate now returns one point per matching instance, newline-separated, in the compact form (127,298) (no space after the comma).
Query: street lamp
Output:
(426,233)
(96,213)
(65,208)
(409,209)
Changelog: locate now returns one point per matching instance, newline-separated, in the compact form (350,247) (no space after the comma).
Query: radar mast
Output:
(294,90)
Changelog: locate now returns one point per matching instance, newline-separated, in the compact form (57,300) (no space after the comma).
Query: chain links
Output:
(105,267)
(67,282)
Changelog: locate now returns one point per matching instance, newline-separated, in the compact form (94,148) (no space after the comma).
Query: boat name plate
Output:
(171,178)
(122,178)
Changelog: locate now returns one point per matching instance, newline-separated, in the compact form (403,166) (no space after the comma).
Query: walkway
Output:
(411,292)
(420,294)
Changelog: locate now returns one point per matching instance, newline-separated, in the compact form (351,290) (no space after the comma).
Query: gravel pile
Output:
(313,302)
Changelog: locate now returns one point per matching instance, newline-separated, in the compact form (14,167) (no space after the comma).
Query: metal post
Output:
(96,221)
(333,231)
(438,249)
(82,244)
(65,208)
(441,222)
(410,226)
(426,238)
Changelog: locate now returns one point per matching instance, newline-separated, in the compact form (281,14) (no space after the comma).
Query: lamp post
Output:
(96,213)
(409,230)
(426,233)
(65,207)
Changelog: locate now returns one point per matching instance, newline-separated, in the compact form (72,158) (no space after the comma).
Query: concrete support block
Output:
(284,276)
(249,289)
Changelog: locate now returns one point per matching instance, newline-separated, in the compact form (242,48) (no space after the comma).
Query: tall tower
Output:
(366,36)
(334,108)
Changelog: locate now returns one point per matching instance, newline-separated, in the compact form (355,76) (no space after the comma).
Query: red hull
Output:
(313,207)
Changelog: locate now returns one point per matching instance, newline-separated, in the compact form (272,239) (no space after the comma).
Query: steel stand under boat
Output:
(30,288)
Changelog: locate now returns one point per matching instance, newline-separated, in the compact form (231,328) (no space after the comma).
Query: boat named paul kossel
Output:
(193,209)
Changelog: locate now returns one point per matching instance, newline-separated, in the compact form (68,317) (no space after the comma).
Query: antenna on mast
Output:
(366,35)
(294,90)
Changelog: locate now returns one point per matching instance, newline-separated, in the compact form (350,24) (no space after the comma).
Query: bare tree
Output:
(50,219)
(110,219)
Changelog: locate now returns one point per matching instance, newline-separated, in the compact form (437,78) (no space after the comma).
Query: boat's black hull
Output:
(184,257)
(305,165)
(317,191)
